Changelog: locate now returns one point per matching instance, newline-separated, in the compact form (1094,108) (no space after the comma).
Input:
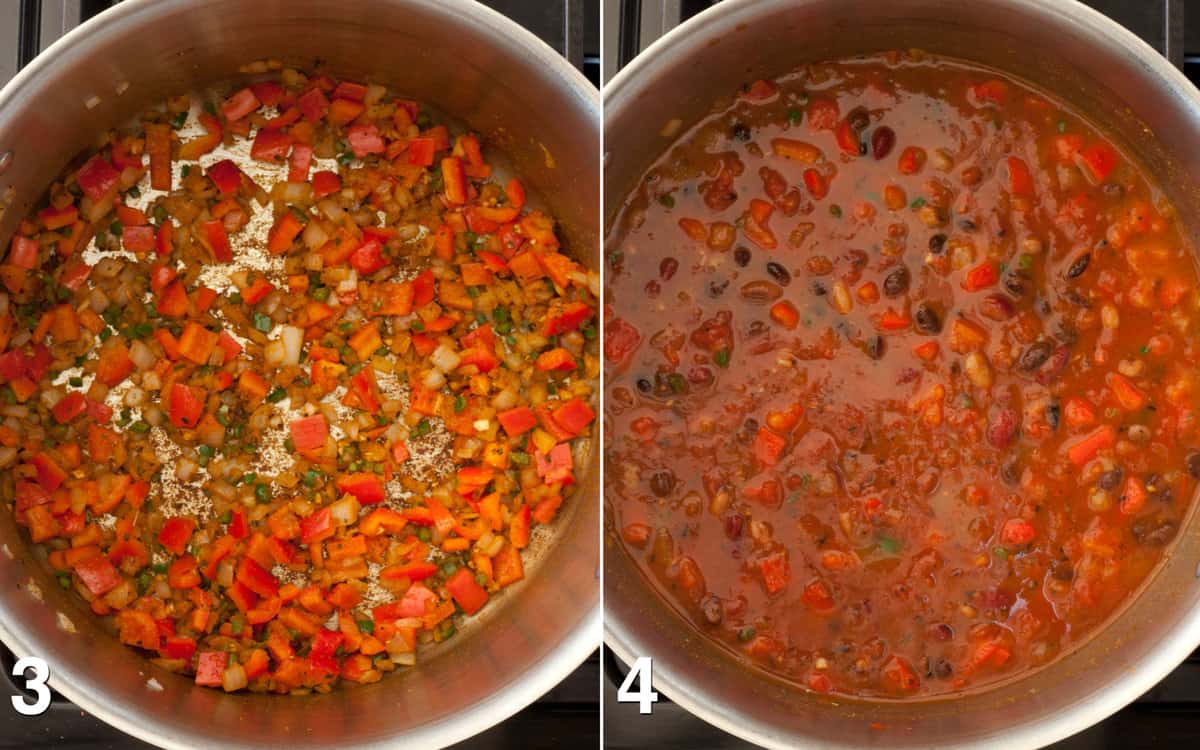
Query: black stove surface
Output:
(567,714)
(1168,716)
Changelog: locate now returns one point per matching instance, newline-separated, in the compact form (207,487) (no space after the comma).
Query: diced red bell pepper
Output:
(176,533)
(417,570)
(239,105)
(257,578)
(981,276)
(517,421)
(768,447)
(49,473)
(98,574)
(257,291)
(23,253)
(226,175)
(344,111)
(365,140)
(568,319)
(367,488)
(556,360)
(271,145)
(139,240)
(309,433)
(313,104)
(574,416)
(1017,531)
(466,591)
(285,231)
(197,147)
(183,574)
(317,526)
(210,668)
(98,178)
(53,219)
(454,178)
(1098,161)
(164,240)
(237,524)
(555,466)
(218,240)
(321,655)
(421,151)
(325,183)
(300,162)
(1020,180)
(269,93)
(368,258)
(775,573)
(423,289)
(71,406)
(186,404)
(174,301)
(349,90)
(992,91)
(179,647)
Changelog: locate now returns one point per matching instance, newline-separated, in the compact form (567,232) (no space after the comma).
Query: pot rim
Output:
(584,638)
(688,40)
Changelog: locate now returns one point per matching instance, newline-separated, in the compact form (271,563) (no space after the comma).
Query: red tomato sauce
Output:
(901,390)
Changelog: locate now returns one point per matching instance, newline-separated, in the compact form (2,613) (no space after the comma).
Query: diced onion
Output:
(134,397)
(345,511)
(293,341)
(350,283)
(142,355)
(233,678)
(274,353)
(225,573)
(433,379)
(505,399)
(8,455)
(331,210)
(185,469)
(211,432)
(153,416)
(444,358)
(315,235)
(98,300)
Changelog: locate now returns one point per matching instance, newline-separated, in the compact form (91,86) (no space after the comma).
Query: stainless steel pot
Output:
(1061,46)
(469,62)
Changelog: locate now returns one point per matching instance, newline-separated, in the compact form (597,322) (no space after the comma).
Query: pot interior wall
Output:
(507,86)
(1062,48)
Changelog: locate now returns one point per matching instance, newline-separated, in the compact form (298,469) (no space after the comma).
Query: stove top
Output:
(569,712)
(1168,715)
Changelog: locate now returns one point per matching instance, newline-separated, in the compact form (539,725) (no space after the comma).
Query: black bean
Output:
(644,385)
(741,256)
(1154,531)
(750,425)
(1193,464)
(858,119)
(1014,284)
(1063,570)
(1053,415)
(667,268)
(756,328)
(1035,356)
(1113,190)
(928,320)
(1010,472)
(733,525)
(818,288)
(1158,489)
(1078,266)
(882,141)
(662,482)
(876,347)
(711,608)
(896,282)
(741,132)
(717,287)
(779,273)
(1110,479)
(943,669)
(967,225)
(937,244)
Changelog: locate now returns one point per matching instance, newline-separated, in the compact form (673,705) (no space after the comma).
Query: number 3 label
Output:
(645,696)
(35,684)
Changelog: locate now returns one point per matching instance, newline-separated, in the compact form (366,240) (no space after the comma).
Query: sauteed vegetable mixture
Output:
(902,376)
(289,378)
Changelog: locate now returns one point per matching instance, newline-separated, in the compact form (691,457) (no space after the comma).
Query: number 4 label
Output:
(36,684)
(645,696)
